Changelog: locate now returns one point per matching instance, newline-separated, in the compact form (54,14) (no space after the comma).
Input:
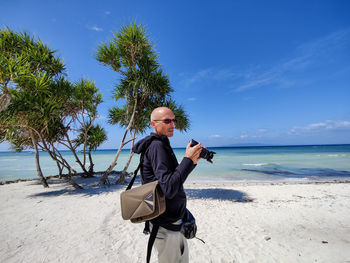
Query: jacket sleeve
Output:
(169,181)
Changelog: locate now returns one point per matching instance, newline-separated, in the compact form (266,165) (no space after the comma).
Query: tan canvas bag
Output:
(144,202)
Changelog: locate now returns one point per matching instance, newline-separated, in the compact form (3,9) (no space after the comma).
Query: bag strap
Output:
(135,172)
(141,162)
(151,240)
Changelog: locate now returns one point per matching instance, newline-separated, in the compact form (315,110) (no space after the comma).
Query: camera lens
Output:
(205,154)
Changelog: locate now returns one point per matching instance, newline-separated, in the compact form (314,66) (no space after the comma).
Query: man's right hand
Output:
(193,152)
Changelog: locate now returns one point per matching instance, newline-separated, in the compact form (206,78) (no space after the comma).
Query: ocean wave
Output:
(336,155)
(259,164)
(300,172)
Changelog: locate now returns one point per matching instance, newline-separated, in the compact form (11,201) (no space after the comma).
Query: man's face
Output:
(162,128)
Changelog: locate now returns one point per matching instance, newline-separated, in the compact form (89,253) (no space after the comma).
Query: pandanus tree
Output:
(27,70)
(33,119)
(39,108)
(81,111)
(143,85)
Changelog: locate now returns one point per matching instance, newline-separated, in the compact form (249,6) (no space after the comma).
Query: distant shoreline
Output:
(213,183)
(213,147)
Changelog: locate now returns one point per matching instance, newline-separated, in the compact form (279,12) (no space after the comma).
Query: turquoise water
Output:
(286,163)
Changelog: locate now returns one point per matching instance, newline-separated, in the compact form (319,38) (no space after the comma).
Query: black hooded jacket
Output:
(160,164)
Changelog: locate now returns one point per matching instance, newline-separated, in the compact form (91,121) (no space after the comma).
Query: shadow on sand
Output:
(219,194)
(90,186)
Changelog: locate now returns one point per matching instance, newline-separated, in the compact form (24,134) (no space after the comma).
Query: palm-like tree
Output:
(143,84)
(80,110)
(27,70)
(39,108)
(126,54)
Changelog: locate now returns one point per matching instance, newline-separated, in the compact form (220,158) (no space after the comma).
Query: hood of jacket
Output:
(143,144)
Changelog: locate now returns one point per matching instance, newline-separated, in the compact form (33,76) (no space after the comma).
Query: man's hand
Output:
(193,152)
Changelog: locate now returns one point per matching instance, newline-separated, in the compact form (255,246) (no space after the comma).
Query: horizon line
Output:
(227,146)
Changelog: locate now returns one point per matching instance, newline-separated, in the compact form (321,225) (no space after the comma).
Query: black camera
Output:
(205,154)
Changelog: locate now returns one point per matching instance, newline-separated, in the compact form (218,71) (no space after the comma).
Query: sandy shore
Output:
(238,222)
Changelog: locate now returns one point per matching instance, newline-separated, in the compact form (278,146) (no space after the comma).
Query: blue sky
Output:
(267,72)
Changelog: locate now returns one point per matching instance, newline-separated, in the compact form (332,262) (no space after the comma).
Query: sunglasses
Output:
(168,121)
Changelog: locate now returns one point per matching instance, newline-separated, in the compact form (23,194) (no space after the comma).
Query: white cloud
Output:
(95,28)
(215,136)
(192,99)
(262,130)
(328,125)
(107,12)
(312,54)
(307,55)
(198,76)
(260,80)
(209,74)
(101,117)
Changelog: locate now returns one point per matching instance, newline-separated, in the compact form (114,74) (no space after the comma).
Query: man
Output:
(160,164)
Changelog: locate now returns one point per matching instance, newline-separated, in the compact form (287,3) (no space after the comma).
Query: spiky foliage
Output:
(29,71)
(126,49)
(95,137)
(143,85)
(40,107)
(29,75)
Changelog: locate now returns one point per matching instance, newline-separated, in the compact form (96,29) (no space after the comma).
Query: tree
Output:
(81,110)
(125,54)
(27,70)
(40,108)
(143,83)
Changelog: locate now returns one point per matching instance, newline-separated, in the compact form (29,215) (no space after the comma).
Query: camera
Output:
(205,154)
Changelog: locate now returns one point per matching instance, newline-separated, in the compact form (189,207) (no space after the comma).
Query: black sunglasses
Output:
(168,121)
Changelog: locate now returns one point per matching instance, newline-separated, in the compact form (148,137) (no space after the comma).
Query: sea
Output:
(230,164)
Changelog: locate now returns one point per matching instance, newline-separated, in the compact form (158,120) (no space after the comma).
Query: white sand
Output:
(239,223)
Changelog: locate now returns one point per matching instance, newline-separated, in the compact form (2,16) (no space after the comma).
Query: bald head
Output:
(160,112)
(158,116)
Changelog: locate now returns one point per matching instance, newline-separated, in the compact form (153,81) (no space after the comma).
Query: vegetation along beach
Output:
(263,85)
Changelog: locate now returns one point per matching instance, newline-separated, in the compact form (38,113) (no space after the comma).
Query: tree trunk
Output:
(91,168)
(72,182)
(63,162)
(104,178)
(77,158)
(37,162)
(5,99)
(121,179)
(60,169)
(84,148)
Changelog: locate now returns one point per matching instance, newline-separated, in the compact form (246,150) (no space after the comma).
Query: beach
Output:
(239,222)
